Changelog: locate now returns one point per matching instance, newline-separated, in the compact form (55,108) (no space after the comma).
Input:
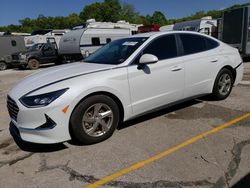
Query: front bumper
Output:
(46,125)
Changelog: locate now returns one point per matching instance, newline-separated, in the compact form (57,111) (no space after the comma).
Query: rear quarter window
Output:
(211,44)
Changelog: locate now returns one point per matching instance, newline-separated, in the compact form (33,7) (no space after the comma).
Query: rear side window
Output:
(162,47)
(210,44)
(95,41)
(192,43)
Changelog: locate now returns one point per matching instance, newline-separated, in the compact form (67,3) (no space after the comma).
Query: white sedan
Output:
(124,79)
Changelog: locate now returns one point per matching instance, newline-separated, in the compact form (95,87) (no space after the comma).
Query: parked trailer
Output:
(9,45)
(79,43)
(73,45)
(206,25)
(236,29)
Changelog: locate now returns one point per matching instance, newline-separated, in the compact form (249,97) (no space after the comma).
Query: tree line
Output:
(106,11)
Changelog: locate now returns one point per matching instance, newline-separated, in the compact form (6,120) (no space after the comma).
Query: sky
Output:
(11,11)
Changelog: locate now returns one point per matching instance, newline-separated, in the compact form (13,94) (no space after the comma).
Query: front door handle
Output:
(176,68)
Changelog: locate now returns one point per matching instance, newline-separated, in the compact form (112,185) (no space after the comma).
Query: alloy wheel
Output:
(225,84)
(97,119)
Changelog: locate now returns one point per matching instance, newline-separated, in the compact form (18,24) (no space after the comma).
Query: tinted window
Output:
(95,41)
(13,43)
(210,44)
(163,47)
(192,43)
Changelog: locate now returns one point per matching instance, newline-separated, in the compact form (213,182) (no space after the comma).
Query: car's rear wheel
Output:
(94,119)
(3,66)
(33,64)
(223,85)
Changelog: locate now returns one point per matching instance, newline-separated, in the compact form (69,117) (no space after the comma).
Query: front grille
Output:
(12,108)
(15,57)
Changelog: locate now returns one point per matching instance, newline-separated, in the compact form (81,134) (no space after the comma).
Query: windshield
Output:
(35,47)
(116,52)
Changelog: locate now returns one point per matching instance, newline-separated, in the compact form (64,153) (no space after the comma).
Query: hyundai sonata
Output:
(124,79)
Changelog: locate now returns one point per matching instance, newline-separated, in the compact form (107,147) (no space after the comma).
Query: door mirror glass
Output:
(148,58)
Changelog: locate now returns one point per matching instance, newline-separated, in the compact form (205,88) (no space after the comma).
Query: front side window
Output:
(36,47)
(192,43)
(162,47)
(47,47)
(116,52)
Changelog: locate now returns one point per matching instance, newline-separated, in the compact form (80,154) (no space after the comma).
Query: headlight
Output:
(41,100)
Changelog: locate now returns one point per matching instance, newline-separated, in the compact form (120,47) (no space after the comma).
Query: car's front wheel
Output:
(3,66)
(223,85)
(94,119)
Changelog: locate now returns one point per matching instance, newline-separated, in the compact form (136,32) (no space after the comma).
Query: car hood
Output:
(55,74)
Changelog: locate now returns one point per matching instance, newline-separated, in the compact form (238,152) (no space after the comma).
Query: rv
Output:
(41,36)
(205,25)
(8,45)
(82,41)
(236,29)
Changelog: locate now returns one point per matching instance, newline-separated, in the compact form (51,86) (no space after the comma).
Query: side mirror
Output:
(148,59)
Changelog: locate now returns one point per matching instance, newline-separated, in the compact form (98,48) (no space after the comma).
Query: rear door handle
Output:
(176,68)
(214,60)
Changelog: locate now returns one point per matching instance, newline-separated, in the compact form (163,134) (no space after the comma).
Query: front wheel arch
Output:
(112,96)
(5,65)
(79,134)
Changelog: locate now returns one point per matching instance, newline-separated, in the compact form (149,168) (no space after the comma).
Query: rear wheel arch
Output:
(223,83)
(231,69)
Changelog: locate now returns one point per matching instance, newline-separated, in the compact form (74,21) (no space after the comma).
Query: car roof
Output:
(159,33)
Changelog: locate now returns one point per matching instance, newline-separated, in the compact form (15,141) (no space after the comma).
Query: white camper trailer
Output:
(80,42)
(205,25)
(41,36)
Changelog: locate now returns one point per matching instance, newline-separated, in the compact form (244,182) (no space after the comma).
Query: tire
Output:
(3,66)
(33,64)
(94,119)
(223,85)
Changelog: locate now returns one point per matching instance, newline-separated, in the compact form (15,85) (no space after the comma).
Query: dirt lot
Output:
(181,158)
